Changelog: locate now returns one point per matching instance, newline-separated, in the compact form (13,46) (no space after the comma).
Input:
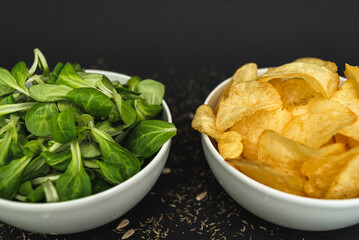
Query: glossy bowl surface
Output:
(270,204)
(92,211)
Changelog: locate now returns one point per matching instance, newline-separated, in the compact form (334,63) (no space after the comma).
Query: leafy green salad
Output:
(67,133)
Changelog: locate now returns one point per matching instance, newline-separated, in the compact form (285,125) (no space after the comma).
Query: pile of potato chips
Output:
(291,128)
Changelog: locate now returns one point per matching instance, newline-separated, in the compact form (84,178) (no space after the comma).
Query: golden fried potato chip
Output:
(322,171)
(244,99)
(352,130)
(339,138)
(204,121)
(349,90)
(278,151)
(270,176)
(251,127)
(330,149)
(329,65)
(331,141)
(311,190)
(352,143)
(352,75)
(297,92)
(319,123)
(229,143)
(277,84)
(348,95)
(299,110)
(345,184)
(320,78)
(346,92)
(248,72)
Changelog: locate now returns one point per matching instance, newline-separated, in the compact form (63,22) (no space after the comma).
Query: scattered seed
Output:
(122,224)
(252,226)
(128,234)
(166,170)
(263,228)
(190,214)
(201,196)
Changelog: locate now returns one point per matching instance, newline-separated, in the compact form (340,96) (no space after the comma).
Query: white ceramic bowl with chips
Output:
(272,205)
(92,211)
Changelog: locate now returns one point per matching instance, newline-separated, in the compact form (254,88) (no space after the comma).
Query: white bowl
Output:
(92,211)
(272,205)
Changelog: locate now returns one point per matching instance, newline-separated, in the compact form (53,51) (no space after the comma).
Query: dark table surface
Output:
(171,210)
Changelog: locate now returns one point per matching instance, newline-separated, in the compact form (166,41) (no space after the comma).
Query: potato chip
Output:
(352,75)
(277,84)
(348,95)
(248,72)
(297,92)
(349,89)
(345,184)
(229,143)
(319,123)
(352,143)
(319,77)
(278,151)
(244,99)
(204,121)
(331,141)
(311,190)
(346,92)
(330,149)
(322,171)
(299,110)
(251,127)
(339,138)
(329,65)
(270,176)
(352,130)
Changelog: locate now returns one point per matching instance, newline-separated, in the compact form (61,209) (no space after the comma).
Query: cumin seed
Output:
(166,170)
(123,224)
(128,234)
(201,196)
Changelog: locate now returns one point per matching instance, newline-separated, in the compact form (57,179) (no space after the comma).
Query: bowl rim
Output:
(301,200)
(34,207)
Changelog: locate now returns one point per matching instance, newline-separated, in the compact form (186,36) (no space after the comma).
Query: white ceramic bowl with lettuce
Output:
(278,207)
(92,211)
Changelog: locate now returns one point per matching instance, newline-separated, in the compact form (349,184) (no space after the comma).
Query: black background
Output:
(190,46)
(149,36)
